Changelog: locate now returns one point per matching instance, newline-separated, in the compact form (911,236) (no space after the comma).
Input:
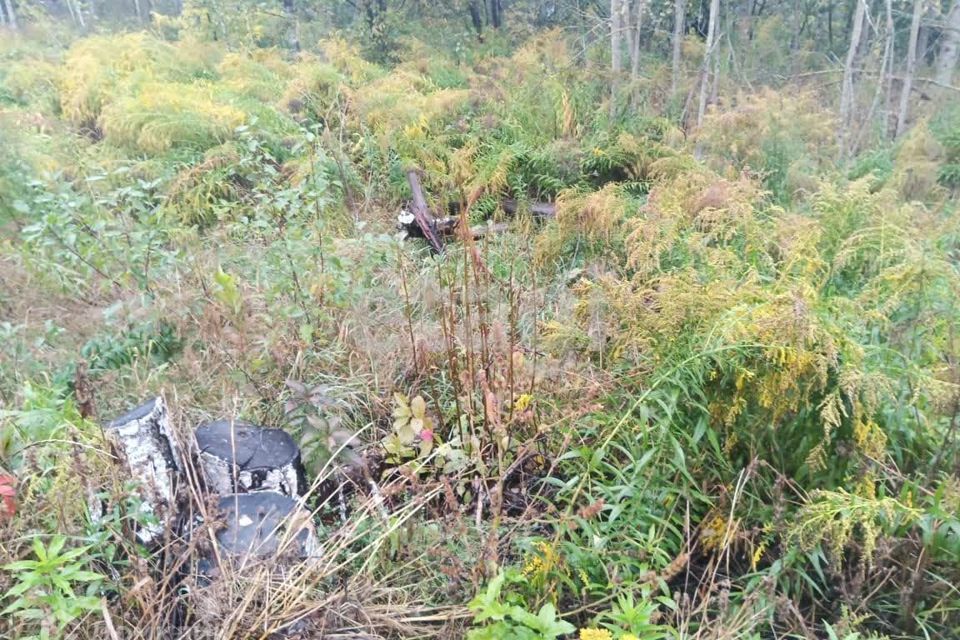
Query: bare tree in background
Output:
(949,46)
(708,56)
(679,9)
(11,15)
(616,63)
(76,13)
(911,71)
(476,18)
(882,90)
(639,8)
(293,24)
(846,90)
(496,13)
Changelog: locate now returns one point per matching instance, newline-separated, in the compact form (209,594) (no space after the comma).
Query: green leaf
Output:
(19,588)
(19,603)
(524,617)
(418,407)
(38,549)
(487,605)
(56,545)
(88,576)
(74,553)
(407,433)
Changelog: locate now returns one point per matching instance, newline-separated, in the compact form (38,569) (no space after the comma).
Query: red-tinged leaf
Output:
(8,494)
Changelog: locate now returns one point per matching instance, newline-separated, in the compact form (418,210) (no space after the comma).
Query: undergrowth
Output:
(715,395)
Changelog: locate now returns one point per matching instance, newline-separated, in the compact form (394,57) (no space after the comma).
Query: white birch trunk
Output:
(883,79)
(143,442)
(11,14)
(903,113)
(679,9)
(949,47)
(708,59)
(846,91)
(616,28)
(640,8)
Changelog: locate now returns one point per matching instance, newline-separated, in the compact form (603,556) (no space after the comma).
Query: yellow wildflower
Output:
(522,403)
(757,555)
(595,634)
(543,562)
(714,532)
(533,565)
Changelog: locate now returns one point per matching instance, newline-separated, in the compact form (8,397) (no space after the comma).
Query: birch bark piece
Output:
(238,457)
(265,524)
(144,442)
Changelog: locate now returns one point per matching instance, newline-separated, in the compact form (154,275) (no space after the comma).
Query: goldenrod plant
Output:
(686,368)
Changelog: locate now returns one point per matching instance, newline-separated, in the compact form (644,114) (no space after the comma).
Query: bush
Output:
(158,116)
(96,69)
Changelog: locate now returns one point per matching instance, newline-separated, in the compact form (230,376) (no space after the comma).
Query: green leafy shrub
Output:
(158,116)
(45,588)
(96,69)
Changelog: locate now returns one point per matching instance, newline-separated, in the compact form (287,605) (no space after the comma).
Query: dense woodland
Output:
(675,355)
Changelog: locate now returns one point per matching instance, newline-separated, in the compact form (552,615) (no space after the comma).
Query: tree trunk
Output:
(715,81)
(830,27)
(949,47)
(421,214)
(797,19)
(679,7)
(635,39)
(923,43)
(496,13)
(143,443)
(846,91)
(476,19)
(911,71)
(708,55)
(236,457)
(11,14)
(615,53)
(81,21)
(890,53)
(70,8)
(882,90)
(293,24)
(265,525)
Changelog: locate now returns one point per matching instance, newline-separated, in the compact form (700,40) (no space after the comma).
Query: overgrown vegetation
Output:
(717,395)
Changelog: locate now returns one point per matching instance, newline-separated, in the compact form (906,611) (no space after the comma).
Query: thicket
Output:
(717,396)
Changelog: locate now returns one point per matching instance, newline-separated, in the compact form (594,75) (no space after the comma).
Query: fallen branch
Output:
(537,209)
(420,214)
(420,222)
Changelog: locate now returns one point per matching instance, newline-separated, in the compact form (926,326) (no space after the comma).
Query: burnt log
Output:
(143,441)
(448,226)
(421,216)
(239,457)
(265,524)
